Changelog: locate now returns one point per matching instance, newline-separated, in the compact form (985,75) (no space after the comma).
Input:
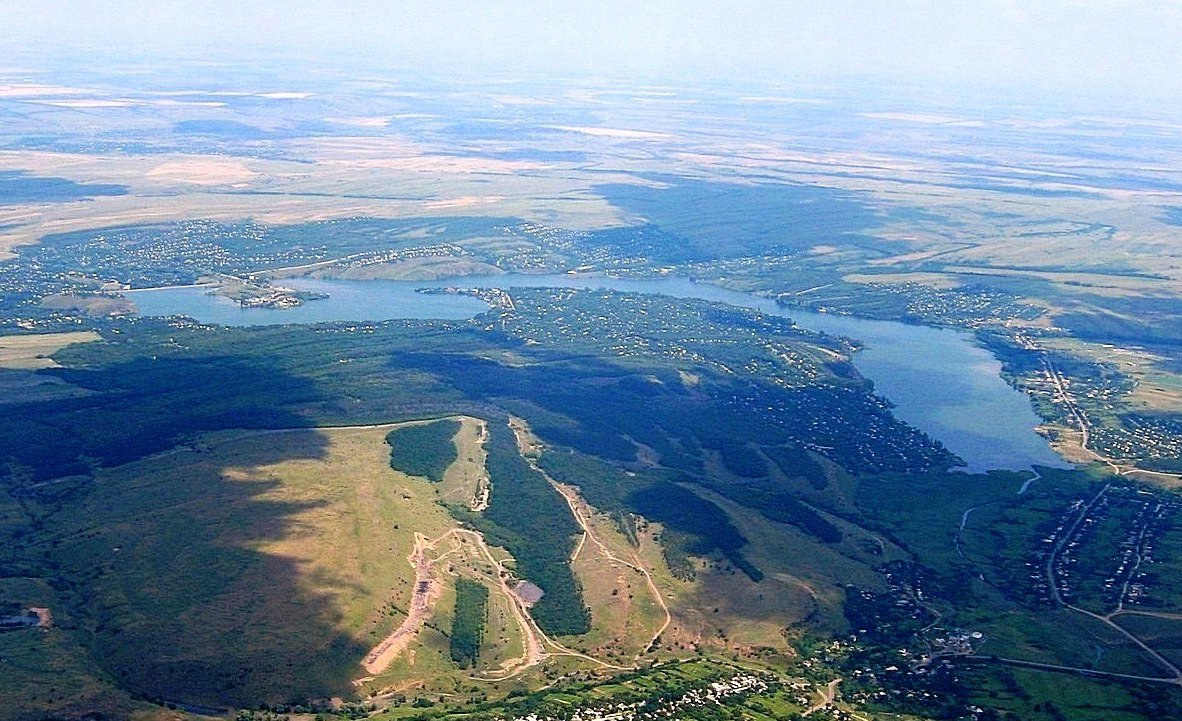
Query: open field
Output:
(1060,695)
(296,543)
(1157,387)
(624,586)
(465,482)
(30,352)
(344,185)
(628,592)
(800,589)
(1025,209)
(1162,632)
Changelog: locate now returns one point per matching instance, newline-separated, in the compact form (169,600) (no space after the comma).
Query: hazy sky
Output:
(1098,47)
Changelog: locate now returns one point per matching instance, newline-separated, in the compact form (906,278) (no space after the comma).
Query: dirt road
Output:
(828,695)
(529,448)
(426,592)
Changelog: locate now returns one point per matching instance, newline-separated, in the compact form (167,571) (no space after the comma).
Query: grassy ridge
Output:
(699,527)
(530,519)
(796,462)
(145,405)
(693,525)
(425,450)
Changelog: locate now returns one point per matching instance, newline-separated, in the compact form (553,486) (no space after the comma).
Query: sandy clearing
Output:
(44,161)
(363,122)
(203,171)
(133,171)
(44,616)
(467,201)
(358,146)
(179,103)
(620,133)
(925,119)
(437,164)
(32,91)
(84,103)
(520,100)
(17,214)
(781,100)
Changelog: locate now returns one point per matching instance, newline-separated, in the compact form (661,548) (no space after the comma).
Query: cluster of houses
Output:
(714,694)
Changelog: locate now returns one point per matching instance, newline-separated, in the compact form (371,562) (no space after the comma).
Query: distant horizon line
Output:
(29,60)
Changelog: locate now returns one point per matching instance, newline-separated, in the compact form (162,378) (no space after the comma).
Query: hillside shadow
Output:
(18,186)
(143,406)
(162,560)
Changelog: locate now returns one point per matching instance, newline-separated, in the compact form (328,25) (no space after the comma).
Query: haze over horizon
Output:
(1105,51)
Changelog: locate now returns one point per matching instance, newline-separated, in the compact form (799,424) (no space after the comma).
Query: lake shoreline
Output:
(939,380)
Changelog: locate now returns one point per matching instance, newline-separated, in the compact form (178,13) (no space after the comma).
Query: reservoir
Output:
(939,380)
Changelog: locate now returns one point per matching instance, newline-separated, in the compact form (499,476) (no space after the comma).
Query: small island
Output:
(254,294)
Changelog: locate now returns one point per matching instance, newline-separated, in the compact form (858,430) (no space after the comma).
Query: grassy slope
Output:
(252,568)
(51,672)
(463,479)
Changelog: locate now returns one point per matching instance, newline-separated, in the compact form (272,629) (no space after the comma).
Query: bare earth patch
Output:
(203,171)
(464,202)
(426,593)
(619,133)
(92,305)
(84,103)
(34,91)
(363,122)
(438,164)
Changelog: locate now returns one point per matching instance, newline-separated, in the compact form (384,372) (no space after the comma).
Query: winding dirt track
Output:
(532,637)
(426,592)
(484,484)
(538,645)
(578,510)
(425,587)
(572,498)
(828,695)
